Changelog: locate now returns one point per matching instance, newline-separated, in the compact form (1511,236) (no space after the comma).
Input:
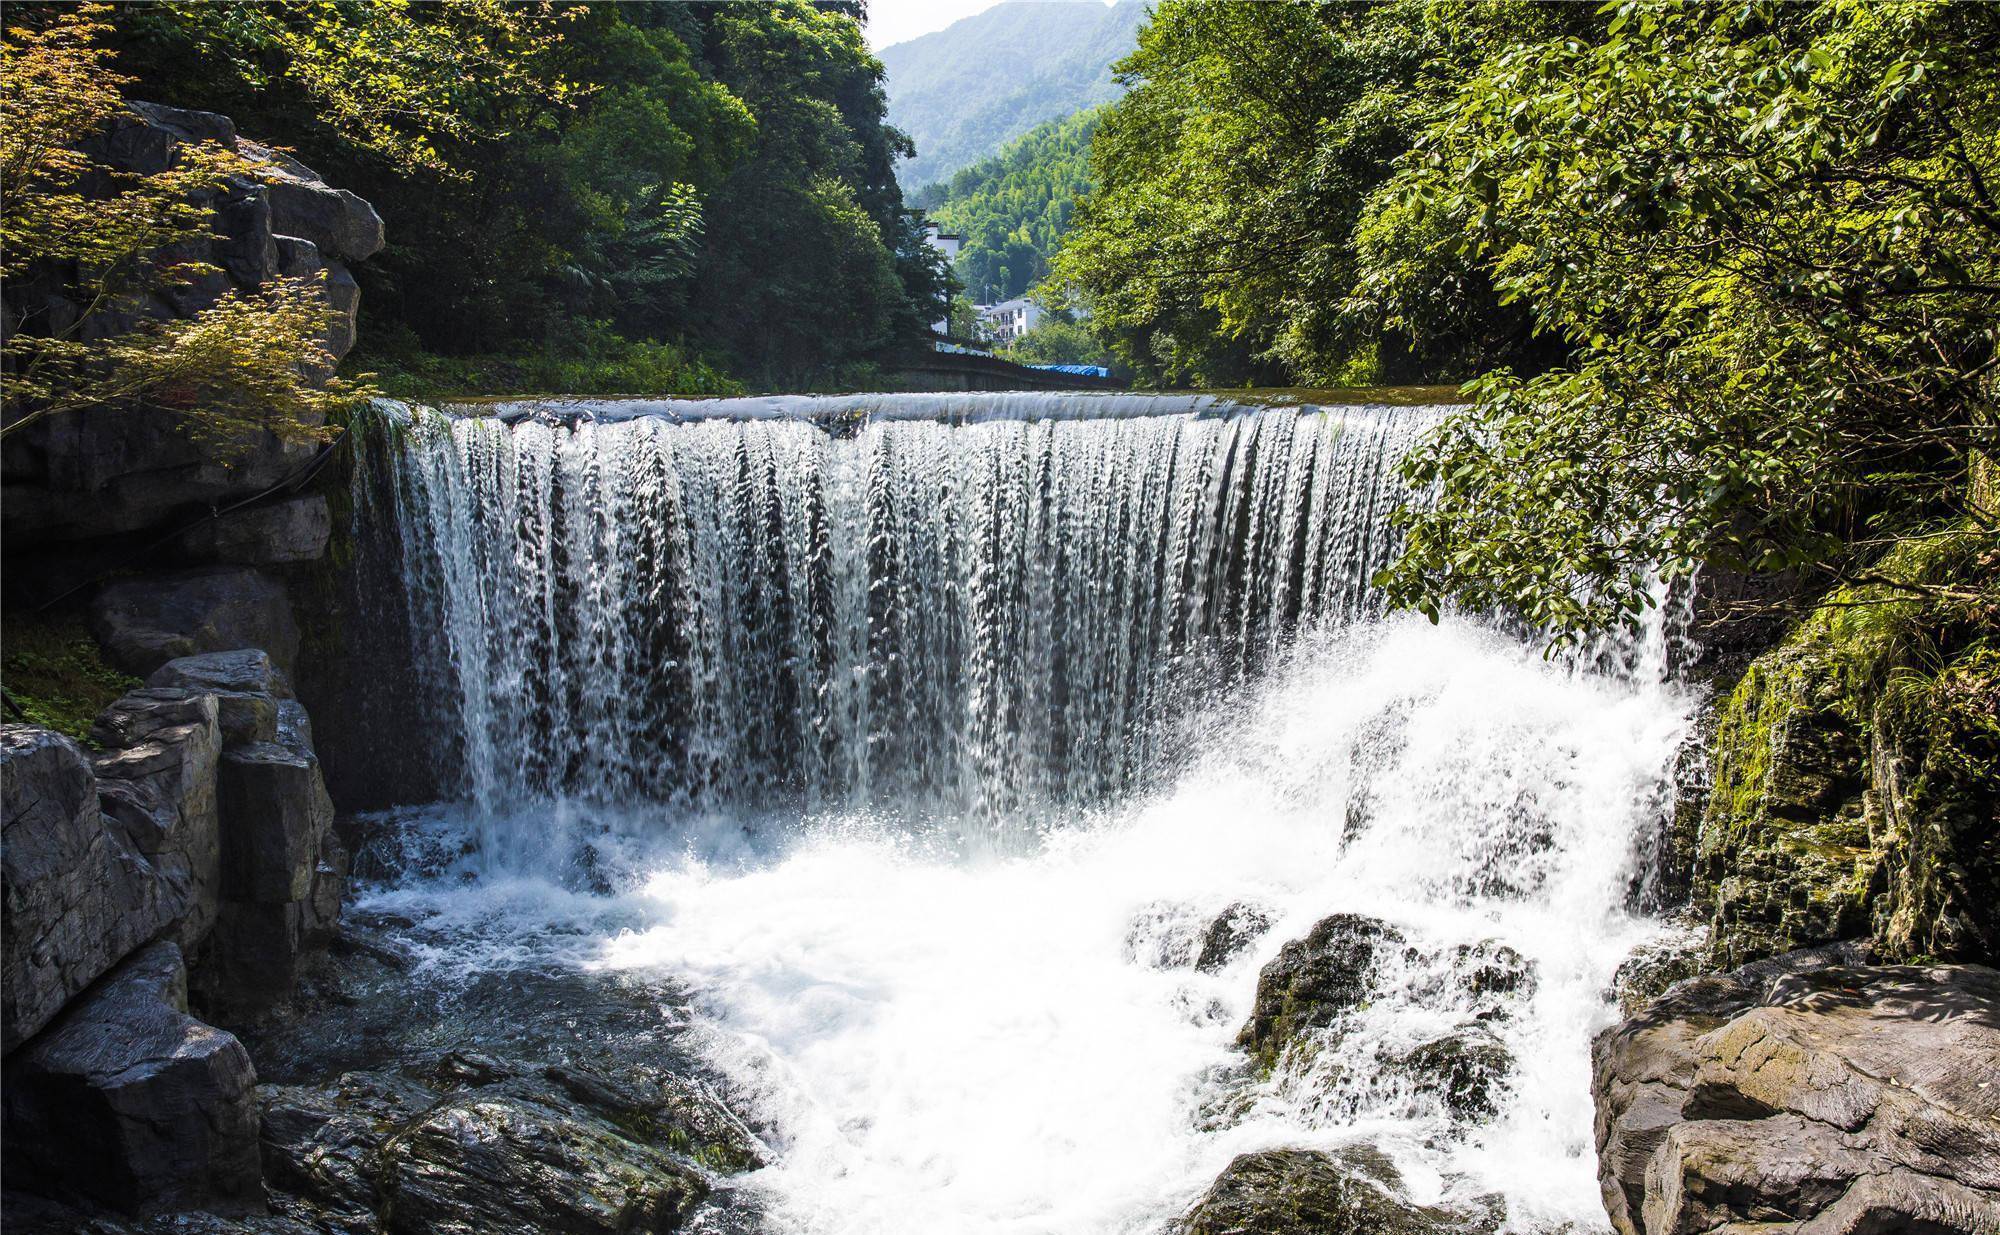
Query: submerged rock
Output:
(1234,931)
(1314,980)
(1463,1070)
(1355,1191)
(127,1101)
(1807,1089)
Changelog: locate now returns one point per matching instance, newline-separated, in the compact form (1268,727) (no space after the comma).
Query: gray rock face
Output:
(248,690)
(294,530)
(157,785)
(144,623)
(77,895)
(1356,1191)
(1809,1090)
(1313,980)
(283,868)
(335,221)
(128,1102)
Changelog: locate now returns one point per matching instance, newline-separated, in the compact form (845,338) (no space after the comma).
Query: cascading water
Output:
(931,732)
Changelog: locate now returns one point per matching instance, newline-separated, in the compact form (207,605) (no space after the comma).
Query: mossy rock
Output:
(1854,770)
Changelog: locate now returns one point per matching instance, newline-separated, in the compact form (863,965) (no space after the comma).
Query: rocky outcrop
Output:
(1812,1092)
(110,471)
(1854,790)
(1354,1191)
(145,622)
(128,1102)
(103,854)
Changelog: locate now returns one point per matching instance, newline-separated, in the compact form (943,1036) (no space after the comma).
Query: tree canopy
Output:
(1013,209)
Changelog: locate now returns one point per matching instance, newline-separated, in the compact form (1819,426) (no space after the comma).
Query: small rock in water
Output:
(1354,1191)
(1462,1070)
(1232,933)
(1314,980)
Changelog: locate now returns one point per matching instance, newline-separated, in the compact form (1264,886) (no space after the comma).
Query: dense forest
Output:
(629,196)
(1013,209)
(1727,276)
(966,91)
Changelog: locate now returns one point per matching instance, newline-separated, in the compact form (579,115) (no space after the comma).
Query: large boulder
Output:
(1313,981)
(1355,1191)
(145,622)
(77,895)
(248,689)
(1810,1090)
(128,1102)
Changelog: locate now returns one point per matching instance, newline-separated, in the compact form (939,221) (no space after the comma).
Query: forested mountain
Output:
(964,92)
(1013,208)
(638,192)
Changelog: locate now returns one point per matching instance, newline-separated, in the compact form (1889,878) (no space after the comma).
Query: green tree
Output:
(1013,209)
(1220,244)
(1770,234)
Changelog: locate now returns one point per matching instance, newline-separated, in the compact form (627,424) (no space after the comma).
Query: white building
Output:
(1010,319)
(949,245)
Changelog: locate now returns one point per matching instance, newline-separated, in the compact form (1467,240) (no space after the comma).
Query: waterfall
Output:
(920,739)
(821,603)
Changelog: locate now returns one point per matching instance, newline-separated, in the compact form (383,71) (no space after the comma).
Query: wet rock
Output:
(1314,980)
(156,785)
(294,530)
(1652,969)
(1354,1191)
(144,623)
(1463,1070)
(129,1102)
(78,896)
(1810,1089)
(321,1143)
(1233,931)
(481,1162)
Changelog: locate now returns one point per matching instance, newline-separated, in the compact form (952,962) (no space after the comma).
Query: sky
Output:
(898,21)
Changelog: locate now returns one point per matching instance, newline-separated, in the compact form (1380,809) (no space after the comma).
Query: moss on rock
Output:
(55,674)
(1855,770)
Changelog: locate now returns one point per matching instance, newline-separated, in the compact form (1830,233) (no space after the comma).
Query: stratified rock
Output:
(156,784)
(1233,931)
(111,471)
(143,623)
(247,687)
(335,221)
(78,897)
(1808,1089)
(471,1143)
(283,871)
(294,530)
(1355,1191)
(127,1101)
(1314,980)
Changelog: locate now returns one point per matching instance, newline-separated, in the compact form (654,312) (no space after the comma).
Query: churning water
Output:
(923,737)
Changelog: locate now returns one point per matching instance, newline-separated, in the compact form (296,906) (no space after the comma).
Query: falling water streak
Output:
(831,603)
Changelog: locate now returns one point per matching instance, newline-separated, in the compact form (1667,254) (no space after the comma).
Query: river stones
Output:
(1353,1191)
(1810,1089)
